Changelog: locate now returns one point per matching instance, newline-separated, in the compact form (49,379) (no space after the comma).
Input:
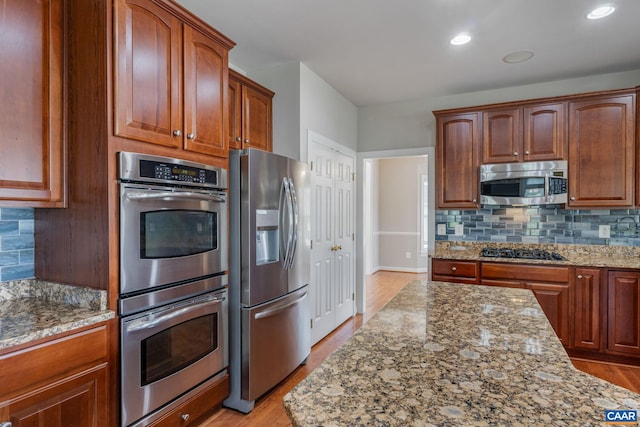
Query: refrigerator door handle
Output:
(285,202)
(295,216)
(280,309)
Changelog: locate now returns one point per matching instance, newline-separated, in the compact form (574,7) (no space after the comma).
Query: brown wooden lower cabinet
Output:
(586,309)
(78,401)
(549,284)
(623,312)
(554,299)
(594,311)
(60,383)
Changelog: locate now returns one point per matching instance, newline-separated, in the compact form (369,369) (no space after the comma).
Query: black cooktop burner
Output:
(520,253)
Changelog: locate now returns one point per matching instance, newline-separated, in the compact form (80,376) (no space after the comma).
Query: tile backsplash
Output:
(16,244)
(541,224)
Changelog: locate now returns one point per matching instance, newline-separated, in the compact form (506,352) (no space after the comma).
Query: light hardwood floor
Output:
(381,288)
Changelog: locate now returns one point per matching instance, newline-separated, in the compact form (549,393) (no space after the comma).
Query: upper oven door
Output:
(169,235)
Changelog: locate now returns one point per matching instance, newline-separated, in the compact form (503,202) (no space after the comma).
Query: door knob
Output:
(191,136)
(453,269)
(579,276)
(177,132)
(515,153)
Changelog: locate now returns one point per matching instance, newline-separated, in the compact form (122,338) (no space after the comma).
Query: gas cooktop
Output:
(520,253)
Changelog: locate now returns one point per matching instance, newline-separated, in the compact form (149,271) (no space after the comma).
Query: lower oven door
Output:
(169,350)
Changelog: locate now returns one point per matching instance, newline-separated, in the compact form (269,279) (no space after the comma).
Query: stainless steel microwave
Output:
(526,183)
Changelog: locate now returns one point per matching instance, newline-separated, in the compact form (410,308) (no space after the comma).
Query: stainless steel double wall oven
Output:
(173,299)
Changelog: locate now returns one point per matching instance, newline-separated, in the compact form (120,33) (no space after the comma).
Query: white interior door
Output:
(344,238)
(322,253)
(332,250)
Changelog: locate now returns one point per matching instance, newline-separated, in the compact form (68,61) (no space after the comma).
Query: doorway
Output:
(397,214)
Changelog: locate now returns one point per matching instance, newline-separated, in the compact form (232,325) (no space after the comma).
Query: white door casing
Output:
(332,234)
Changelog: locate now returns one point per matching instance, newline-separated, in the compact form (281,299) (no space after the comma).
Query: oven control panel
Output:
(177,173)
(138,167)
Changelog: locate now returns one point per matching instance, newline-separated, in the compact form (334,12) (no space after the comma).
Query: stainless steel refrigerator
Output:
(269,316)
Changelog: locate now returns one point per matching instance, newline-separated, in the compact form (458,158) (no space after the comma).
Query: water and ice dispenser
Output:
(267,236)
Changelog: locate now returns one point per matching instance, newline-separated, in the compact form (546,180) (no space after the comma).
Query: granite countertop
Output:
(576,255)
(454,355)
(33,309)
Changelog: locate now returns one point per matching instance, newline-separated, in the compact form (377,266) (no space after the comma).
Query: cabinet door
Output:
(235,114)
(554,301)
(76,402)
(148,81)
(502,136)
(623,312)
(31,133)
(601,152)
(586,309)
(544,132)
(205,91)
(457,161)
(256,119)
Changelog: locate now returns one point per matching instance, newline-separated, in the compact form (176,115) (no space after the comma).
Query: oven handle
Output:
(141,324)
(139,195)
(276,310)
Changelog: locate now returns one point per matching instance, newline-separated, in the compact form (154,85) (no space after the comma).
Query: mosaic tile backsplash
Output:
(541,224)
(16,244)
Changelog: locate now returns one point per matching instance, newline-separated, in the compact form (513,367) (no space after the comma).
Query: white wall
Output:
(411,124)
(326,112)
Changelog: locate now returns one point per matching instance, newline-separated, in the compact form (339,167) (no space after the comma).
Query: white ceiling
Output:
(381,51)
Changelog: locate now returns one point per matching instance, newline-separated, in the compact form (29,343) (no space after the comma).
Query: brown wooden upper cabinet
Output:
(457,160)
(520,134)
(250,109)
(170,80)
(602,151)
(32,164)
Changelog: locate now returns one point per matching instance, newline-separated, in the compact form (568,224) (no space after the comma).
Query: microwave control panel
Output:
(557,186)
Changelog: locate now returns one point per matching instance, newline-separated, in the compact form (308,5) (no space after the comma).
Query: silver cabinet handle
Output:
(238,139)
(246,140)
(6,424)
(453,269)
(526,152)
(191,136)
(572,198)
(177,132)
(184,417)
(515,153)
(579,276)
(474,200)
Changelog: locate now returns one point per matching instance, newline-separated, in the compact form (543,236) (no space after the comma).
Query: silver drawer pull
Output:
(453,269)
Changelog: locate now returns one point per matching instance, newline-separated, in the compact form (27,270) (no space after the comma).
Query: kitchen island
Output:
(451,354)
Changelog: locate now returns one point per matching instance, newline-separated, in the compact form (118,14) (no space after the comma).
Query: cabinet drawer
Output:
(455,268)
(46,362)
(454,271)
(503,283)
(195,409)
(532,273)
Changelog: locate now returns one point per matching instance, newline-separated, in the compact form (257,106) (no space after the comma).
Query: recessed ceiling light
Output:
(516,57)
(601,12)
(460,39)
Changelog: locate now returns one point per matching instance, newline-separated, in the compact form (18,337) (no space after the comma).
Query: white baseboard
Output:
(400,269)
